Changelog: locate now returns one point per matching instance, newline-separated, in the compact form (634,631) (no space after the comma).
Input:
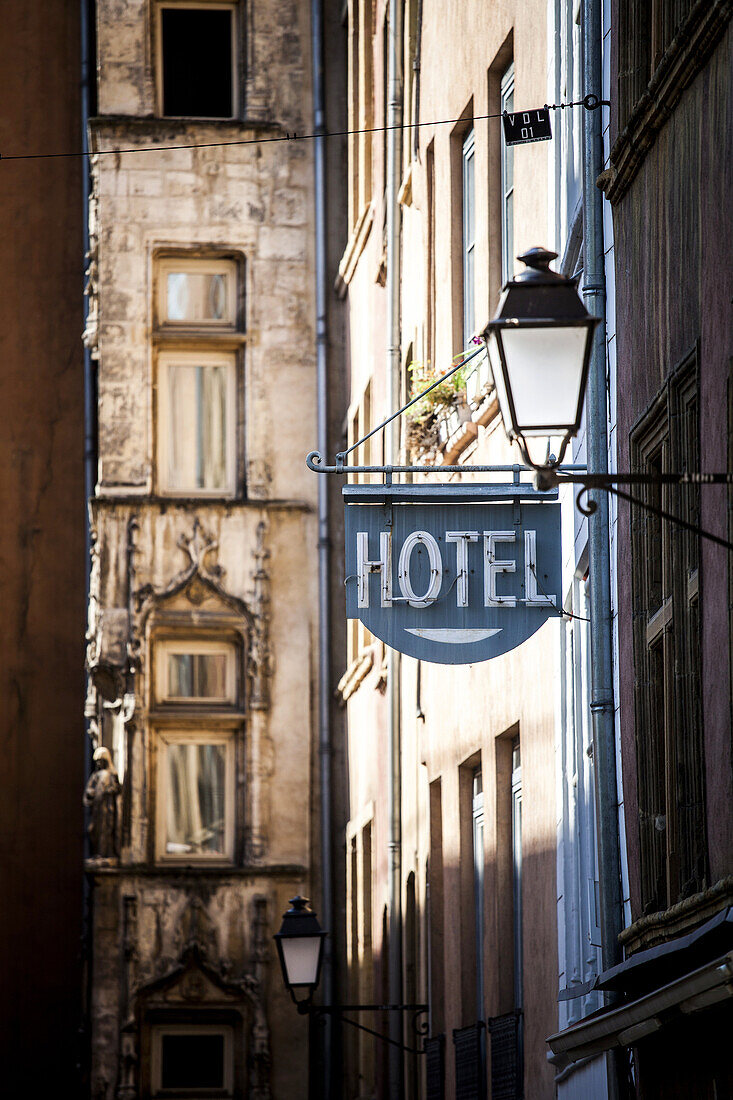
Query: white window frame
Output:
(168,265)
(217,5)
(468,235)
(166,647)
(158,1031)
(198,736)
(204,357)
(507,260)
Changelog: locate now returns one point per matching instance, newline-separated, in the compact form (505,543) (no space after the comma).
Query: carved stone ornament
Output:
(202,577)
(197,979)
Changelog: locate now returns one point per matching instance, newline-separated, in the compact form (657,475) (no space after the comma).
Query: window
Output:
(192,1060)
(507,182)
(478,881)
(194,672)
(360,108)
(195,794)
(196,318)
(468,236)
(670,765)
(646,30)
(197,422)
(197,60)
(197,292)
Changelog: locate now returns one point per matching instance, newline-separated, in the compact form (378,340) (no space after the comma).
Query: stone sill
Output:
(234,128)
(112,498)
(355,674)
(462,438)
(683,917)
(354,248)
(186,870)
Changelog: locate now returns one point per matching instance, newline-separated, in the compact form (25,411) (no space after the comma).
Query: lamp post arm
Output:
(323,1011)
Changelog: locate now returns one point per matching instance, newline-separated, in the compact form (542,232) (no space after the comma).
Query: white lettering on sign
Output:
(461,539)
(493,567)
(436,569)
(535,598)
(382,565)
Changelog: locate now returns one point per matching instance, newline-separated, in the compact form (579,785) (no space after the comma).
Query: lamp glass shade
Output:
(497,370)
(545,374)
(301,958)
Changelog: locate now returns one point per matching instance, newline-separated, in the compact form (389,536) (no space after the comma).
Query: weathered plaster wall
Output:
(255,202)
(41,549)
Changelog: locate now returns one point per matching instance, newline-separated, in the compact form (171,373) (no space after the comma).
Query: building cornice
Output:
(680,64)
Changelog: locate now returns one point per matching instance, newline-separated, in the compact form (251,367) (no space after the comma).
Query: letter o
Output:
(436,569)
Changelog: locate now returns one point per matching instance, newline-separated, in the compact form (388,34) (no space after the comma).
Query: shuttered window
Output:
(666,586)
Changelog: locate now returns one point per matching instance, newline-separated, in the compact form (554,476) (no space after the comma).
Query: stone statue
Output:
(101,796)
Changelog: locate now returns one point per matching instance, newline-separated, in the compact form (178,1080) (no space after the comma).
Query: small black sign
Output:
(524,126)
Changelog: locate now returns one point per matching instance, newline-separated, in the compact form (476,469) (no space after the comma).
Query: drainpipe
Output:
(88,75)
(602,696)
(324,611)
(392,446)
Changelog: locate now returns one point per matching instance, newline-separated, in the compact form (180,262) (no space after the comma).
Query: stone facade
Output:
(461,727)
(179,942)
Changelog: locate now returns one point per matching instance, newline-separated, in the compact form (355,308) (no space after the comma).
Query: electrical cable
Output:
(590,103)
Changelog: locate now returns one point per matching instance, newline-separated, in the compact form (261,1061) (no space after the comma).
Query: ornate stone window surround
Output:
(197,721)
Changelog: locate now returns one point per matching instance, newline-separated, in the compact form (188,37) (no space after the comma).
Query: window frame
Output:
(216,5)
(670,749)
(203,265)
(194,646)
(468,233)
(506,89)
(201,356)
(203,733)
(158,1031)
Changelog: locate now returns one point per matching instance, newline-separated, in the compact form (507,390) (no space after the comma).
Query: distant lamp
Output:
(300,947)
(539,347)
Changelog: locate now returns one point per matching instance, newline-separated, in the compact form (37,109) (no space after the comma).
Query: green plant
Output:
(442,396)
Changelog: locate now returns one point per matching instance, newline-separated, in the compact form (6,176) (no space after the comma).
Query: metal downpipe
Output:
(88,75)
(324,609)
(602,690)
(392,444)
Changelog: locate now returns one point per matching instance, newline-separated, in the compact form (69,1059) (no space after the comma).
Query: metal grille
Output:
(435,1067)
(506,1081)
(469,1062)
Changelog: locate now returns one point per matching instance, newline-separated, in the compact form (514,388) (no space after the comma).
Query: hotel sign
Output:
(439,576)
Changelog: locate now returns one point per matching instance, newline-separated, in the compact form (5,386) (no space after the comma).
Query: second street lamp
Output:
(300,949)
(539,348)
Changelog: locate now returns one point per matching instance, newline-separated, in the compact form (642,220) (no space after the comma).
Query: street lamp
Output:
(300,947)
(539,347)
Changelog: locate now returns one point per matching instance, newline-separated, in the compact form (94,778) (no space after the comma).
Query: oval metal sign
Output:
(452,583)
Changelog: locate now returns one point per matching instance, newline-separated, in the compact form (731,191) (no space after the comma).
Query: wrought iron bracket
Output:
(554,477)
(322,1012)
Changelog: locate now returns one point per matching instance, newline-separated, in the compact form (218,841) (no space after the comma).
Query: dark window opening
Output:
(192,1062)
(196,53)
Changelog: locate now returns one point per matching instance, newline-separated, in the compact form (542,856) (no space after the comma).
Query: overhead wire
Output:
(589,102)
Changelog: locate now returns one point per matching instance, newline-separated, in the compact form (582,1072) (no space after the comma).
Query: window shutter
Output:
(467,1043)
(506,1083)
(435,1067)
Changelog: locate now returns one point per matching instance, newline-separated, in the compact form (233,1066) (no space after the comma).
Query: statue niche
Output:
(101,796)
